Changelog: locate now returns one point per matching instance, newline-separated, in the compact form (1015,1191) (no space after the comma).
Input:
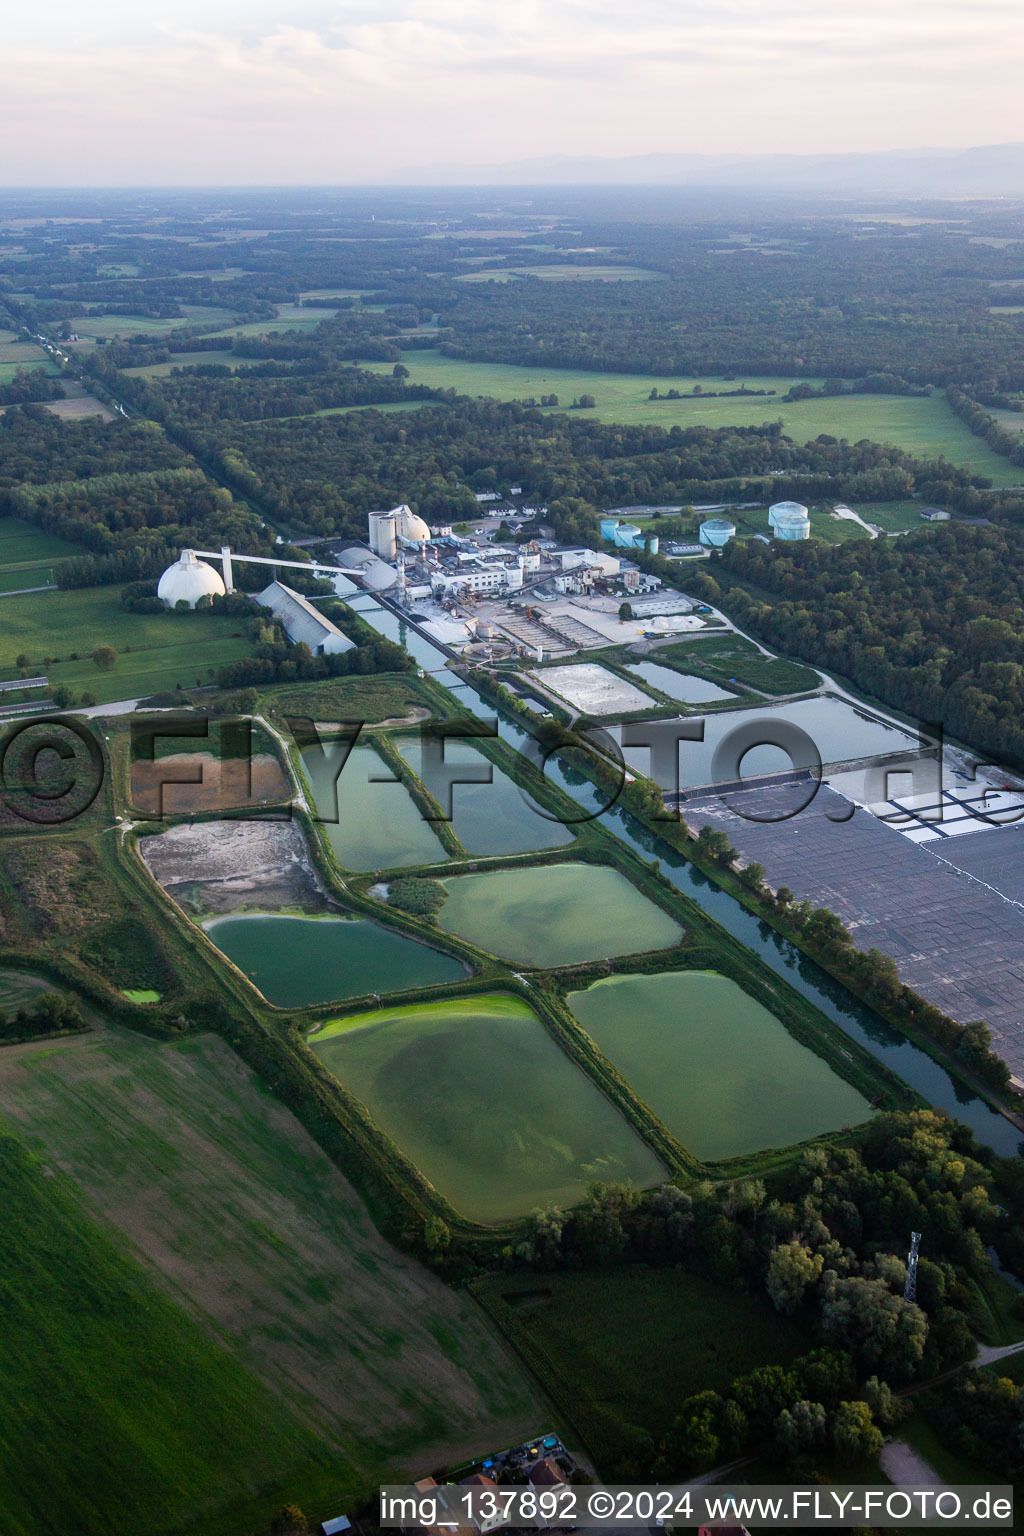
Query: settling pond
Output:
(554,914)
(679,685)
(494,818)
(722,1073)
(298,961)
(838,730)
(379,825)
(477,1093)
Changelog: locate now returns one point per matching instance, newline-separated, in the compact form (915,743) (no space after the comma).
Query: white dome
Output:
(188,580)
(410,527)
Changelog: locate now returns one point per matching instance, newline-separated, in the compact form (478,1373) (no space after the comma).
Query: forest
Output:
(929,623)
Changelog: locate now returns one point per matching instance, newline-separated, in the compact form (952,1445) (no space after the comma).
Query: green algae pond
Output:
(722,1073)
(487,818)
(379,825)
(478,1094)
(554,914)
(298,961)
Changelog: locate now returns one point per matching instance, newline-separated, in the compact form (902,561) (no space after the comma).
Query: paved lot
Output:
(958,942)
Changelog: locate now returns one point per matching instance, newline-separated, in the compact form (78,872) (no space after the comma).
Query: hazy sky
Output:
(107,92)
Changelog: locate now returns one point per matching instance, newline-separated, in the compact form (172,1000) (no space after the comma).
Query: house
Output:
(546,1473)
(303,623)
(484,1524)
(934,515)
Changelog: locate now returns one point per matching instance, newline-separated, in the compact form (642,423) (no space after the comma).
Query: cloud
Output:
(228,92)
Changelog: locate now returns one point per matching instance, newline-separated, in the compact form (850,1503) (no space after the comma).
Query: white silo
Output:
(608,527)
(628,536)
(716,532)
(189,579)
(384,534)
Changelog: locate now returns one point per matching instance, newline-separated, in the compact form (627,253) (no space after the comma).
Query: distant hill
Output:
(995,170)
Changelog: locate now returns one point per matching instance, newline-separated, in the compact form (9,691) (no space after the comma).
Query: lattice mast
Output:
(910,1289)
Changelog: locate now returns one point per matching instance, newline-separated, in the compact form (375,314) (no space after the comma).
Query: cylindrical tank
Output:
(628,536)
(484,630)
(716,532)
(384,535)
(653,544)
(608,527)
(792,525)
(785,509)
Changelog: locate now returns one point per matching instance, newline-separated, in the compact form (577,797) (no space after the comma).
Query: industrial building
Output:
(716,532)
(399,528)
(302,622)
(789,520)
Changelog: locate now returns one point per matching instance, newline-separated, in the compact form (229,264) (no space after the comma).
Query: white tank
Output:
(384,534)
(189,579)
(410,528)
(787,510)
(717,532)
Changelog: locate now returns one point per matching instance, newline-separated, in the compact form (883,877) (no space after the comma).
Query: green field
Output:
(564,274)
(189,359)
(478,1094)
(727,658)
(32,359)
(634,1342)
(18,988)
(719,1071)
(554,914)
(165,649)
(157,1424)
(290,317)
(108,327)
(924,426)
(28,557)
(306,1359)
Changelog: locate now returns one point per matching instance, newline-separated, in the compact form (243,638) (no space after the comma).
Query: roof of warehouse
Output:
(302,621)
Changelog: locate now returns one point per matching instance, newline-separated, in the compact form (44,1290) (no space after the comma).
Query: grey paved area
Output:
(957,942)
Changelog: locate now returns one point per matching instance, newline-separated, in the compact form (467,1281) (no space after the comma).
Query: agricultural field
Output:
(156,652)
(225,359)
(289,1334)
(509,1122)
(78,407)
(634,1342)
(27,556)
(290,317)
(924,426)
(565,274)
(109,327)
(159,1423)
(729,658)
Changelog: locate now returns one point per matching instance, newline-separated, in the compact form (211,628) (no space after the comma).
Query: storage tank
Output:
(793,524)
(608,527)
(384,534)
(189,579)
(716,532)
(484,630)
(786,510)
(628,536)
(653,544)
